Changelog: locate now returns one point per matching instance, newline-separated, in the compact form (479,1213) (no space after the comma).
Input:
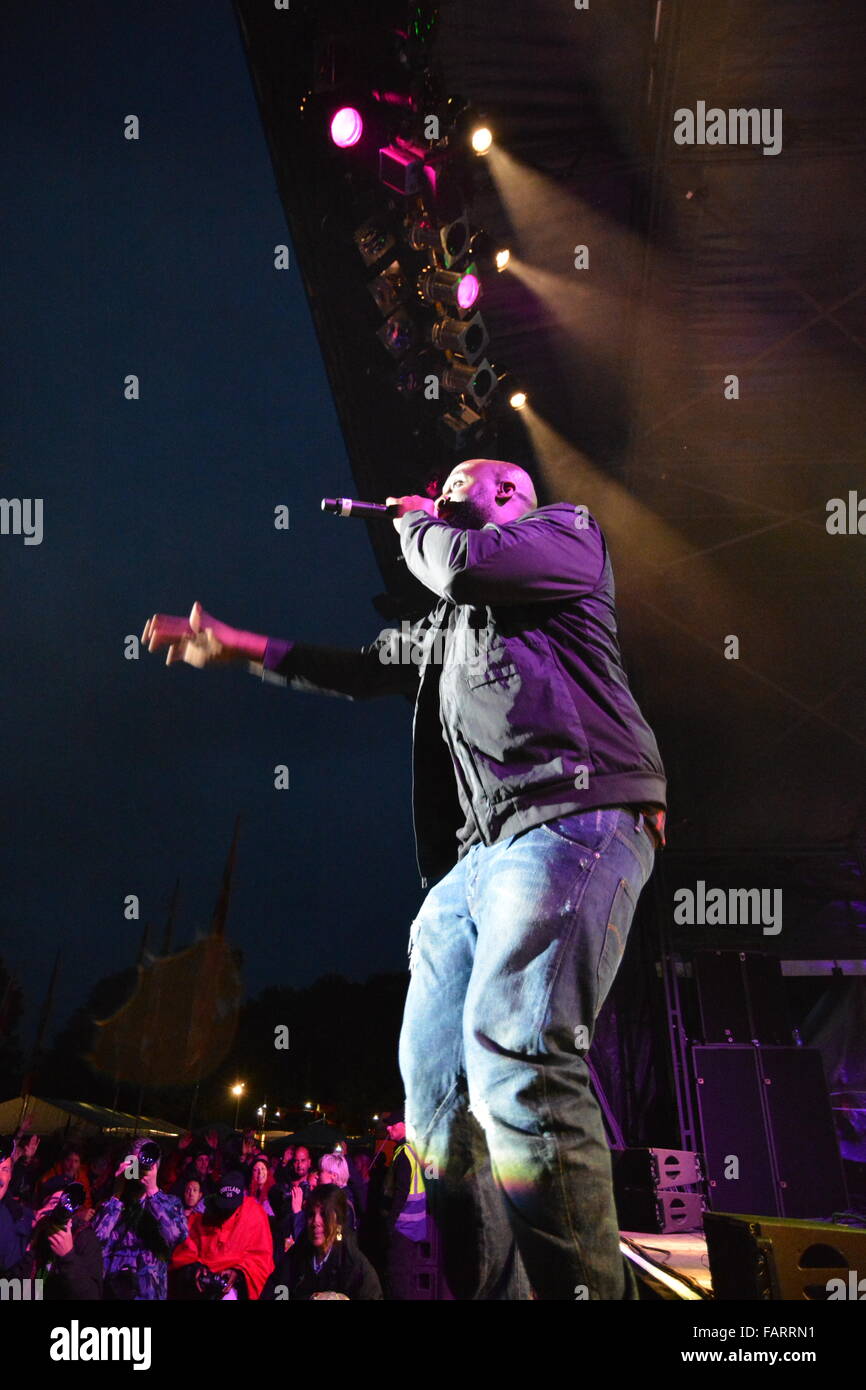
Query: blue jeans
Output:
(511,957)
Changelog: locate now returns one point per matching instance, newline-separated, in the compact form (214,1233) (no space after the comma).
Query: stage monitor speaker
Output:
(661,1212)
(767,1131)
(656,1169)
(756,1258)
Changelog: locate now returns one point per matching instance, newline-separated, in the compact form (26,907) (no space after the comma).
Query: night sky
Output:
(155,257)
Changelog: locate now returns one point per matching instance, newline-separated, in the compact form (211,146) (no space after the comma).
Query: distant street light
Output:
(237,1091)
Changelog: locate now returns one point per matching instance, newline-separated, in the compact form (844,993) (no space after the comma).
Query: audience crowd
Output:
(211,1218)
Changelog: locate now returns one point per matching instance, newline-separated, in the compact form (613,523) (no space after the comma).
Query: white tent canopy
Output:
(77,1118)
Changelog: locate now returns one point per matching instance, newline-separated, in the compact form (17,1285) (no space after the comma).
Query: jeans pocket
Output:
(590,830)
(619,920)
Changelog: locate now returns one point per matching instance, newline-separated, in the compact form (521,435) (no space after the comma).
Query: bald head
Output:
(483,490)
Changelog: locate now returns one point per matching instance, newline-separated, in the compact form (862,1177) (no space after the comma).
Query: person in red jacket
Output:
(229,1251)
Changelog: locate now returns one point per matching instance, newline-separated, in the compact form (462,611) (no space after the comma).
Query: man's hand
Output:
(148,1178)
(297,1198)
(199,640)
(61,1241)
(413,503)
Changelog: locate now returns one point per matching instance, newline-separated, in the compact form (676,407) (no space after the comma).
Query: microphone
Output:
(348,506)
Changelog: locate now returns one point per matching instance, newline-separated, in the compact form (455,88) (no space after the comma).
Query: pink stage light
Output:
(346,127)
(468,291)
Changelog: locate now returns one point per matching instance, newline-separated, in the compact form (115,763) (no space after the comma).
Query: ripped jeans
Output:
(511,957)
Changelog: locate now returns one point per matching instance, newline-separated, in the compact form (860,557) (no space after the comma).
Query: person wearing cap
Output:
(138,1228)
(231,1239)
(16,1218)
(67,1257)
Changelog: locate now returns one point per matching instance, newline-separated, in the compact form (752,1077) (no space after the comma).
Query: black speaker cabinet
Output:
(754,1258)
(741,998)
(768,1138)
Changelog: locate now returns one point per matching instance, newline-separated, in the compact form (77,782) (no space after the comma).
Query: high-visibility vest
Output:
(412,1220)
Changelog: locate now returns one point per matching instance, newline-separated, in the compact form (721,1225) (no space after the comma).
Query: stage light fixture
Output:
(487,252)
(461,427)
(409,377)
(373,241)
(518,400)
(449,287)
(389,289)
(479,381)
(482,139)
(401,168)
(451,238)
(468,291)
(346,127)
(466,337)
(398,333)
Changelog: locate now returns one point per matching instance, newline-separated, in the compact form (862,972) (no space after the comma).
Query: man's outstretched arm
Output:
(388,666)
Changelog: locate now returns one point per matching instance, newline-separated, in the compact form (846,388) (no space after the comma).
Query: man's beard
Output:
(465,515)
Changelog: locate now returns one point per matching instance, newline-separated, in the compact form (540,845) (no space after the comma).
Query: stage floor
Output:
(676,1265)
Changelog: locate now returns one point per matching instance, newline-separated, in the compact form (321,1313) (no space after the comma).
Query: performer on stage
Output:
(539,801)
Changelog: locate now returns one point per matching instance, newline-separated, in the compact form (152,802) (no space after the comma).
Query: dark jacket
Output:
(16,1221)
(395,1189)
(523,712)
(346,1271)
(77,1276)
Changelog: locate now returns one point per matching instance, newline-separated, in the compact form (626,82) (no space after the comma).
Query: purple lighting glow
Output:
(468,291)
(346,127)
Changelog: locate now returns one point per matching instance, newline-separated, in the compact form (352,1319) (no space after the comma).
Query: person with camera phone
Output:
(138,1228)
(64,1251)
